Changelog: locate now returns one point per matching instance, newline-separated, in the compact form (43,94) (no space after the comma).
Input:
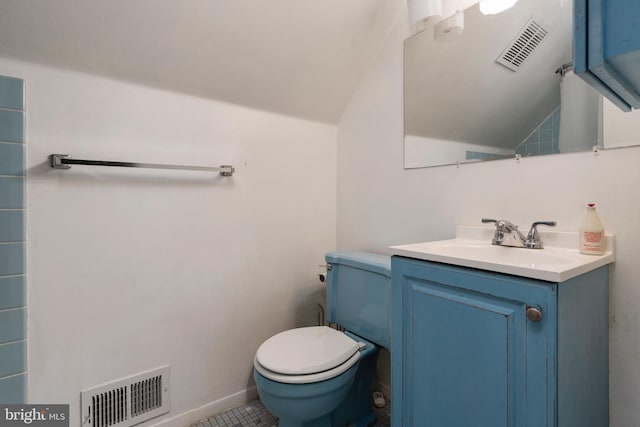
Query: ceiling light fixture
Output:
(492,7)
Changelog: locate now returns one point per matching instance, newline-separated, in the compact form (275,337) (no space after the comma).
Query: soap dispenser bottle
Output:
(591,232)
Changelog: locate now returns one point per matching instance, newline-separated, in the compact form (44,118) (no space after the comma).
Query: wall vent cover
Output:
(524,44)
(127,401)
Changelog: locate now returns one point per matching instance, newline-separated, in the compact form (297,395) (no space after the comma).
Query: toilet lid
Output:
(304,351)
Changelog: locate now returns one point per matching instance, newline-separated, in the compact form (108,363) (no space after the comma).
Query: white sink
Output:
(560,259)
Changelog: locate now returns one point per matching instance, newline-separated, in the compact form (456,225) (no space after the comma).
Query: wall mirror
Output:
(498,88)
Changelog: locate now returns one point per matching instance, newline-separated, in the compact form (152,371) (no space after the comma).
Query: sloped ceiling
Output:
(456,91)
(297,57)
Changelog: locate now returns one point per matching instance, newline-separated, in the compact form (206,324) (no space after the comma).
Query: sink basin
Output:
(560,260)
(499,254)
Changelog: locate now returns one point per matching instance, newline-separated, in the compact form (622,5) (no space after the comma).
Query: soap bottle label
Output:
(592,241)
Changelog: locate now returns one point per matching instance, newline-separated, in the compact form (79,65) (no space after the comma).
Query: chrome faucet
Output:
(508,234)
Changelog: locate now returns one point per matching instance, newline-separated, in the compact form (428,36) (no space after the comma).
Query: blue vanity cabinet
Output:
(606,48)
(467,353)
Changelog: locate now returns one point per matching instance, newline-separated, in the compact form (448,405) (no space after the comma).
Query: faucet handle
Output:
(499,232)
(547,223)
(533,238)
(501,224)
(534,230)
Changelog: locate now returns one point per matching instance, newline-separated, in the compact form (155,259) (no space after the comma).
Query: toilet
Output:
(321,377)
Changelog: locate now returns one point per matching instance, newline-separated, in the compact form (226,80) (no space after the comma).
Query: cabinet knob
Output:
(534,314)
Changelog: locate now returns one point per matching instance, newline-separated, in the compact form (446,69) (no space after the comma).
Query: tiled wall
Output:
(13,364)
(479,155)
(544,140)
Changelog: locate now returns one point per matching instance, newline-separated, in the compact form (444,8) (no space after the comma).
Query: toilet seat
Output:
(306,355)
(308,378)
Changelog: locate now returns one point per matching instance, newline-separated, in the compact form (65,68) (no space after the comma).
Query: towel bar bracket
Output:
(55,160)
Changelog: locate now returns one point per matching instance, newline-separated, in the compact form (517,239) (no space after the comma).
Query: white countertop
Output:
(560,259)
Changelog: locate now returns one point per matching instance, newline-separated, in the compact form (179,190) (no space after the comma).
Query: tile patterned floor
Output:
(254,414)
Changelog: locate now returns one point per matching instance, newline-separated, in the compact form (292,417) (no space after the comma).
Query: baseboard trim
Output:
(240,398)
(206,410)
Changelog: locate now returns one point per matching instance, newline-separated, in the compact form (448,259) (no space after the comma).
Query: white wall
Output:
(620,129)
(381,204)
(133,269)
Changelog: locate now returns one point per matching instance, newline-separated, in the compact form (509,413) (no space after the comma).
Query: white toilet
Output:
(318,376)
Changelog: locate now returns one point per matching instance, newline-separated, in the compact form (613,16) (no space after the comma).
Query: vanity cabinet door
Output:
(469,355)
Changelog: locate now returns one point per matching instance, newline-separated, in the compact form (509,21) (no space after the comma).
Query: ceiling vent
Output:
(127,401)
(524,44)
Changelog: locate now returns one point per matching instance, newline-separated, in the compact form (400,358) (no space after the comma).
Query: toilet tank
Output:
(359,294)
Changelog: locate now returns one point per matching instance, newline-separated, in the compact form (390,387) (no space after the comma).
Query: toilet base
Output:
(355,408)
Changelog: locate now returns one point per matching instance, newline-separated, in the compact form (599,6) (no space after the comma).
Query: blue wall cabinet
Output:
(607,48)
(474,348)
